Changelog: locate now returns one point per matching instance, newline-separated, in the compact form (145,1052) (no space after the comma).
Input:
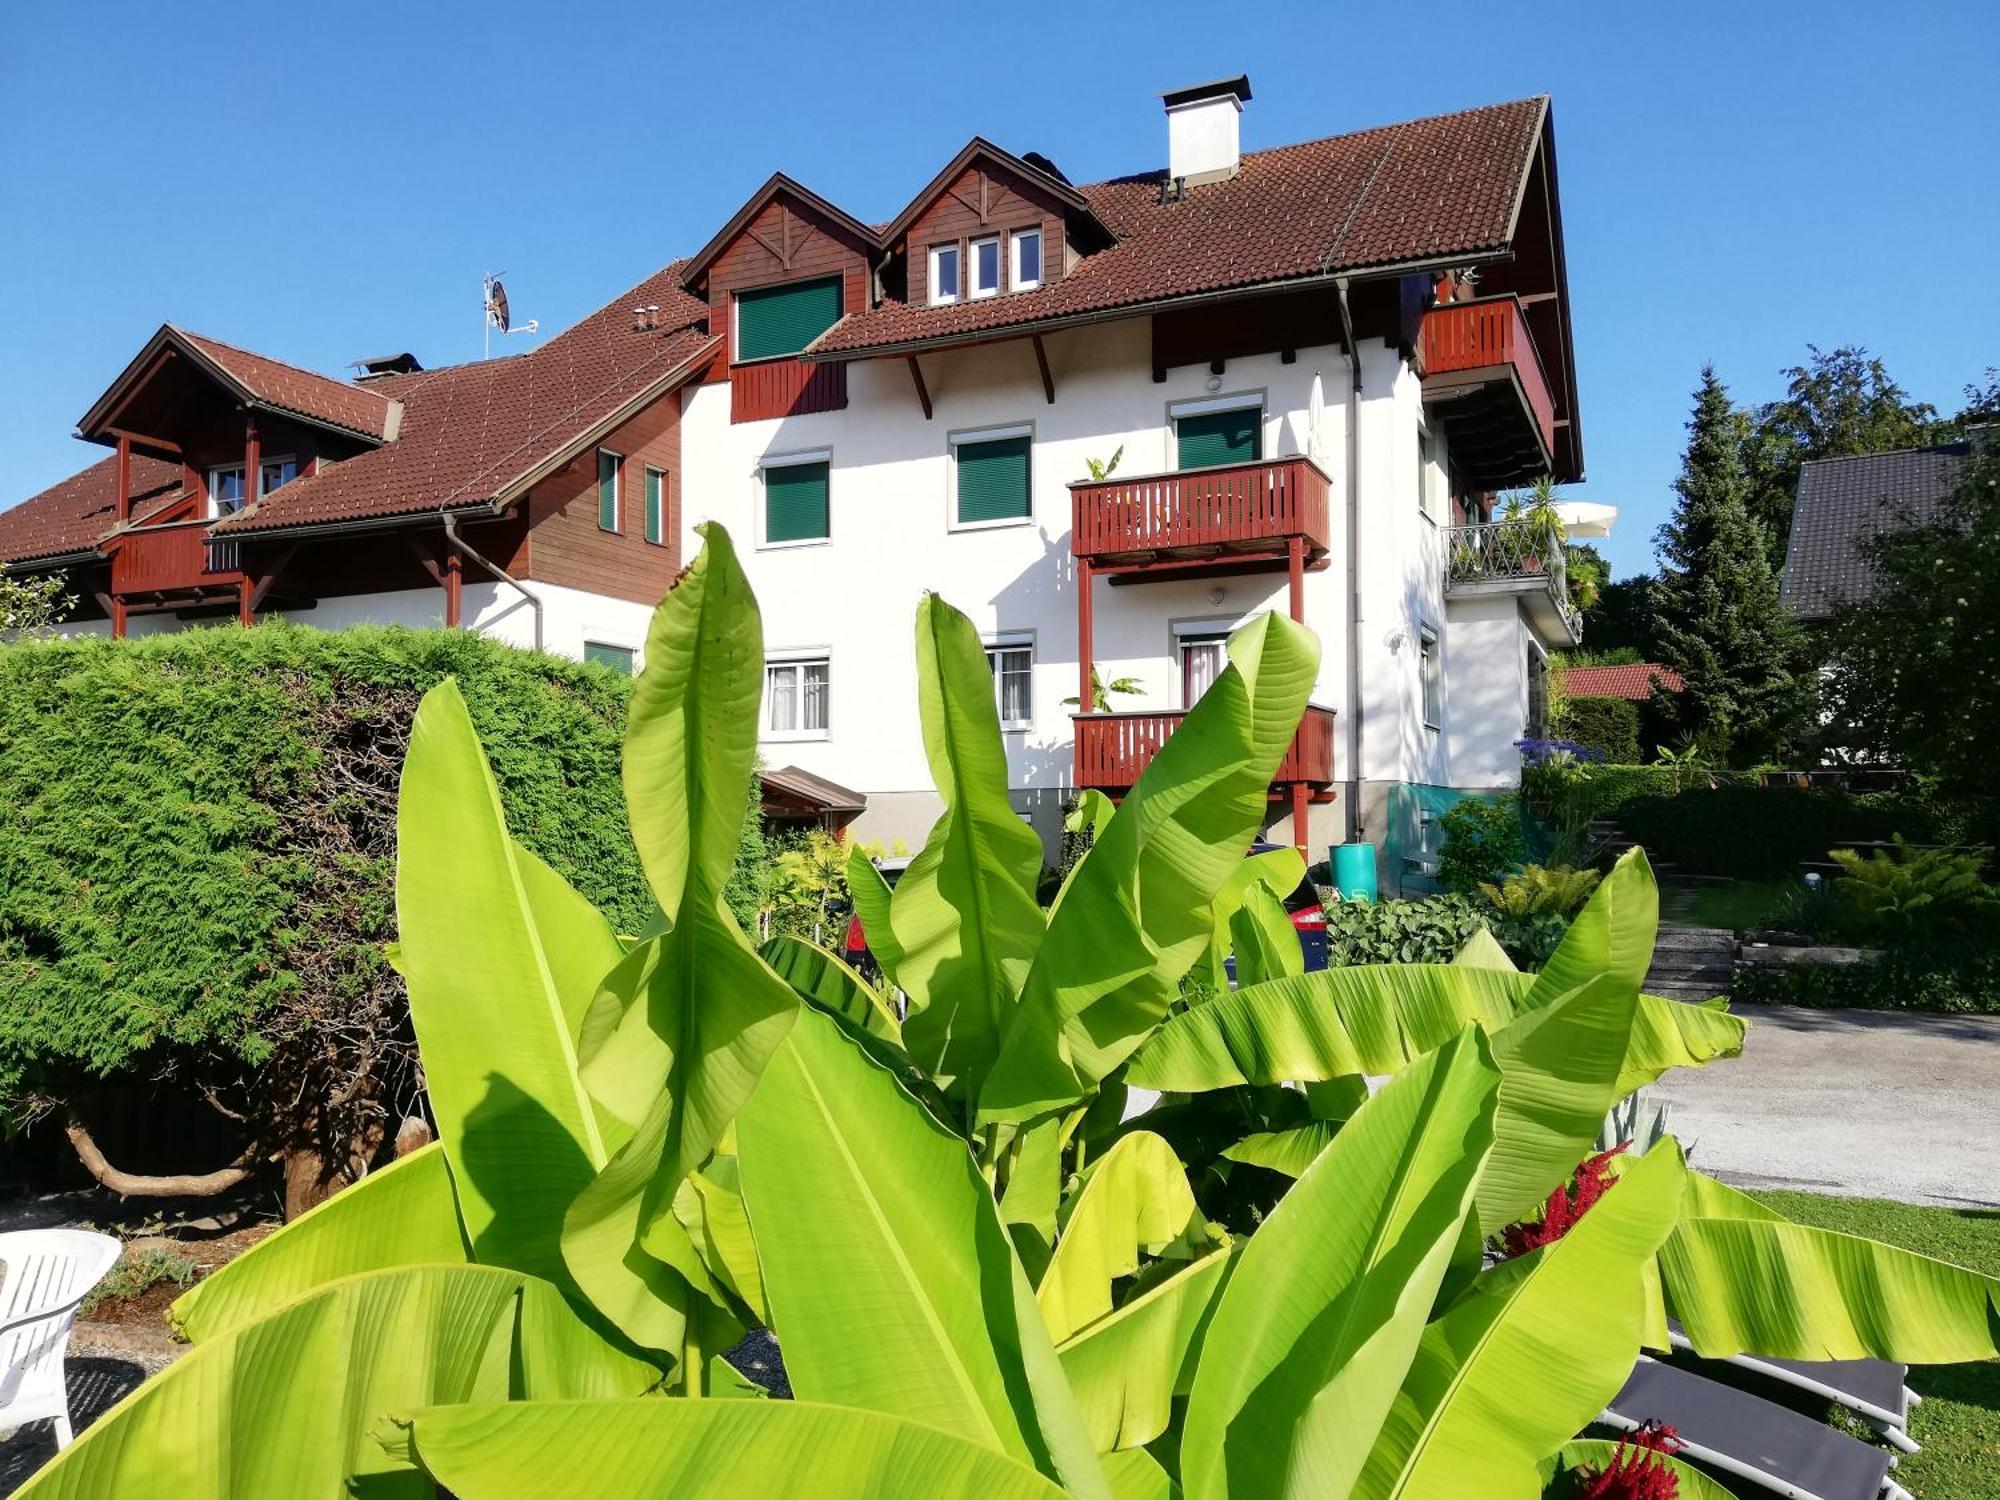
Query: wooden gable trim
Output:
(979,149)
(867,242)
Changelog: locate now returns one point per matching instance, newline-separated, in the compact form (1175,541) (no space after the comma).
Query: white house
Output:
(1314,366)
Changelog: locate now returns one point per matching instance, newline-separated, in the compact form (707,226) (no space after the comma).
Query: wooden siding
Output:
(566,546)
(785,388)
(982,200)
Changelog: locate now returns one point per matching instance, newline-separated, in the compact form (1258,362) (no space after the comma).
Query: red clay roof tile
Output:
(1634,682)
(302,392)
(73,515)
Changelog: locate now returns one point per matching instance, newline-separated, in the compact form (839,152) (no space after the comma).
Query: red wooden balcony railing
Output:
(1112,749)
(1490,333)
(174,558)
(785,388)
(1196,513)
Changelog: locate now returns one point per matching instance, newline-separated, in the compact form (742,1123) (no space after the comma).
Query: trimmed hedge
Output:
(1939,978)
(197,836)
(1431,931)
(1610,726)
(1761,832)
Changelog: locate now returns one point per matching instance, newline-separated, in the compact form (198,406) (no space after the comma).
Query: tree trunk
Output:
(308,1179)
(140,1185)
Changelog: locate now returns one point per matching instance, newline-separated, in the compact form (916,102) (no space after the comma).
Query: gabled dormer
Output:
(991,224)
(785,268)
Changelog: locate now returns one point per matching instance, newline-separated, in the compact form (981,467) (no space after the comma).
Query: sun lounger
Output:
(1873,1389)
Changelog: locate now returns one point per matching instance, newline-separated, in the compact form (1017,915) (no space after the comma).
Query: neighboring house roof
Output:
(1843,503)
(1634,682)
(71,517)
(804,791)
(1442,187)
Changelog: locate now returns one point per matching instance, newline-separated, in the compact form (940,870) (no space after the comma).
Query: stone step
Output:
(1671,938)
(1690,994)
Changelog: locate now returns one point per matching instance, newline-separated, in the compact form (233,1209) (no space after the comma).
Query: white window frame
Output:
(786,461)
(1203,629)
(615,641)
(276,461)
(1430,671)
(1016,641)
(797,660)
(1430,471)
(1020,282)
(939,297)
(213,502)
(988,435)
(973,293)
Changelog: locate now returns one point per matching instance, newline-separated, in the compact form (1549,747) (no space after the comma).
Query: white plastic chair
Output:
(49,1272)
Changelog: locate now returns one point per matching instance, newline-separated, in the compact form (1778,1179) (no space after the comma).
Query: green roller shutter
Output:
(993,480)
(618,658)
(656,506)
(795,503)
(775,320)
(1220,437)
(607,490)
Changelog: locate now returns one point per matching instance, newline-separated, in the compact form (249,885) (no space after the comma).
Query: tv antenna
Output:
(497,315)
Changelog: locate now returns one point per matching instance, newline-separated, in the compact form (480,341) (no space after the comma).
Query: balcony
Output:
(1113,749)
(176,559)
(1232,518)
(1513,558)
(1484,382)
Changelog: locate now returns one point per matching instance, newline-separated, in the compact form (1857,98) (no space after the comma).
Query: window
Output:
(795,694)
(992,475)
(1027,259)
(620,659)
(225,490)
(1203,658)
(275,474)
(986,266)
(773,321)
(1013,666)
(796,505)
(656,506)
(1538,694)
(1433,671)
(944,274)
(610,468)
(1205,436)
(1429,475)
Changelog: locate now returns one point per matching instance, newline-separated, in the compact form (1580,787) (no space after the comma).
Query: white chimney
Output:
(1203,142)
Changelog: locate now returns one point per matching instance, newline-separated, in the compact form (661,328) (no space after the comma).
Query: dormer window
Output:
(1027,259)
(986,267)
(944,274)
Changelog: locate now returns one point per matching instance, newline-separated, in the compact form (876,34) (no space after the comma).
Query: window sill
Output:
(791,736)
(1007,523)
(807,541)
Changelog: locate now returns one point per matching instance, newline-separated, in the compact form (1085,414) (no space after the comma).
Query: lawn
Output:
(1738,905)
(1959,1422)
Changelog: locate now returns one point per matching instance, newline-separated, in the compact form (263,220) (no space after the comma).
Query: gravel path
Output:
(1861,1103)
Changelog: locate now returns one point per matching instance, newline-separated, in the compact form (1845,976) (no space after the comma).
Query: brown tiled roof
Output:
(321,398)
(469,430)
(1444,186)
(1634,682)
(72,516)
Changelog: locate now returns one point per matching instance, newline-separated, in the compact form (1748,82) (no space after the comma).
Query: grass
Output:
(1739,905)
(1959,1422)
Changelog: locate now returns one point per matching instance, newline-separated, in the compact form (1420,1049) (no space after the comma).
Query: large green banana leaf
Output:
(1134,1199)
(707,1450)
(891,1281)
(1691,1483)
(1483,951)
(700,1012)
(822,979)
(1288,1151)
(1032,1193)
(964,917)
(1529,1355)
(1277,870)
(1266,943)
(1137,912)
(580,943)
(1327,1304)
(710,1211)
(1135,1474)
(1127,1368)
(1613,934)
(284,1406)
(403,1215)
(483,935)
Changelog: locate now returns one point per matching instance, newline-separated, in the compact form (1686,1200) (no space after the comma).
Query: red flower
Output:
(1636,1471)
(1566,1205)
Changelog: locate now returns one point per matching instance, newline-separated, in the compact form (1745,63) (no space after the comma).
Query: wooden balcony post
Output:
(1295,558)
(454,588)
(1301,813)
(246,611)
(117,618)
(1086,700)
(124,496)
(253,459)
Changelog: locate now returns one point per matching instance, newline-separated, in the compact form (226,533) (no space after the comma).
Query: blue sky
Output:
(327,182)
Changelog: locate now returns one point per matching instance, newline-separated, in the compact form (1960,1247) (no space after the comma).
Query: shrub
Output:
(138,1272)
(1482,841)
(1944,977)
(1537,890)
(196,839)
(1915,892)
(1610,726)
(1431,931)
(1760,832)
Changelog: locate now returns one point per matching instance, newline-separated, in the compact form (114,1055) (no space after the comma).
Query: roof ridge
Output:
(204,338)
(1956,445)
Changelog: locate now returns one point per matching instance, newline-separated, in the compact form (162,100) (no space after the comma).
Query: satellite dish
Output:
(496,304)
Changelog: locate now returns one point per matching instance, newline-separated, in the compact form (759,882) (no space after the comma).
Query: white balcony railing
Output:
(1516,552)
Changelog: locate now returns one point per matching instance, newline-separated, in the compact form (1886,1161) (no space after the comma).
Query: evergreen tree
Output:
(1716,612)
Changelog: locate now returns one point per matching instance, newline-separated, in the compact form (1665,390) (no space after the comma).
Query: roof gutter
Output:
(53,560)
(478,510)
(1354,694)
(1162,304)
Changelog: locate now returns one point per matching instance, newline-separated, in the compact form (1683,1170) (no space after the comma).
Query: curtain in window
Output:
(1202,662)
(814,673)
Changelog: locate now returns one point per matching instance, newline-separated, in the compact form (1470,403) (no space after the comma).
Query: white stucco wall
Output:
(1486,654)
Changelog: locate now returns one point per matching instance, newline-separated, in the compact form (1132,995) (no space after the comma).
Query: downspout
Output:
(1354,736)
(466,550)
